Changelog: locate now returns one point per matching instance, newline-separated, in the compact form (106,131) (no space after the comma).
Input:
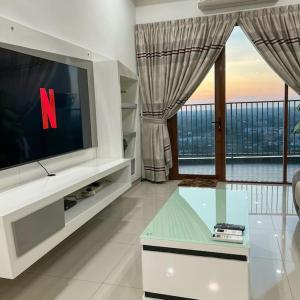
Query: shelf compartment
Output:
(129,106)
(129,135)
(96,203)
(114,186)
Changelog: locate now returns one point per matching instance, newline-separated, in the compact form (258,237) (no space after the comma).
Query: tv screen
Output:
(44,108)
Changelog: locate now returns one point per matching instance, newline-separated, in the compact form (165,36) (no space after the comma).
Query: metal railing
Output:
(253,129)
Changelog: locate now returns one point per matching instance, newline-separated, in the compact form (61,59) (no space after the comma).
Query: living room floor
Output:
(102,260)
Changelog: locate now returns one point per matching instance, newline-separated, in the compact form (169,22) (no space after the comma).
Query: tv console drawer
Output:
(33,229)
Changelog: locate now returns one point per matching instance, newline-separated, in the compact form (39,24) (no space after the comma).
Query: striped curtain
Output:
(275,32)
(173,58)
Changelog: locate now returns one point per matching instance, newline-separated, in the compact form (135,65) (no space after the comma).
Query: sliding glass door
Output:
(238,125)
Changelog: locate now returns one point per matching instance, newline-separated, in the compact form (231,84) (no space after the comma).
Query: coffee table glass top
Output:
(190,215)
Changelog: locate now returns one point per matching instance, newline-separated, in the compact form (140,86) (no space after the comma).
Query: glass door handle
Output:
(219,123)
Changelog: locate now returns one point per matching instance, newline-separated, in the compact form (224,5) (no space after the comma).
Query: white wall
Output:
(177,10)
(103,26)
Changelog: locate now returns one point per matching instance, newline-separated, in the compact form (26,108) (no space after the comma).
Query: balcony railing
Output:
(253,129)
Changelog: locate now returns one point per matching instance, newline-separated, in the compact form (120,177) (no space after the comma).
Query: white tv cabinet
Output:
(36,197)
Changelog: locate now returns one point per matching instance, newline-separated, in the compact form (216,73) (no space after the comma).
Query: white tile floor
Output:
(102,260)
(255,172)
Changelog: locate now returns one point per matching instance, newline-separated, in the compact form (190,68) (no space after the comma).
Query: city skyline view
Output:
(248,76)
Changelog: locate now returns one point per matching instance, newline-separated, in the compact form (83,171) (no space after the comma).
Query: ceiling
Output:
(149,2)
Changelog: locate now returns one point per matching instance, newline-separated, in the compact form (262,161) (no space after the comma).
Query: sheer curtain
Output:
(173,58)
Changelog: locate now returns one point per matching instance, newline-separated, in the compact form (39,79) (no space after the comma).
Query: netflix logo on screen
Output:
(44,107)
(48,108)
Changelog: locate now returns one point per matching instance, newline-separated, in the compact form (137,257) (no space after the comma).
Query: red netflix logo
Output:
(48,108)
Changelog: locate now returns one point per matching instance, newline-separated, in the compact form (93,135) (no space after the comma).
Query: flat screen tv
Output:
(44,108)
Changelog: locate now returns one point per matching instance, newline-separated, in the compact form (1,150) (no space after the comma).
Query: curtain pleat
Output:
(275,32)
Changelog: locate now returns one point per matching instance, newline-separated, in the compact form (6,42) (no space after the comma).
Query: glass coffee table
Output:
(179,257)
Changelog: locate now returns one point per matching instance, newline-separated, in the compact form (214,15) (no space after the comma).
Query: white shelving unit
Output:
(32,216)
(38,204)
(119,88)
(130,116)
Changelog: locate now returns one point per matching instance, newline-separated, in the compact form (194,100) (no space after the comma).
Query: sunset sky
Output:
(248,77)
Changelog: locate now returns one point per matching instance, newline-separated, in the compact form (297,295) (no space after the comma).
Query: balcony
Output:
(254,140)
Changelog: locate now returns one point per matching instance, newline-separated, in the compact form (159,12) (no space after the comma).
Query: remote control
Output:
(229,231)
(230,226)
(228,238)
